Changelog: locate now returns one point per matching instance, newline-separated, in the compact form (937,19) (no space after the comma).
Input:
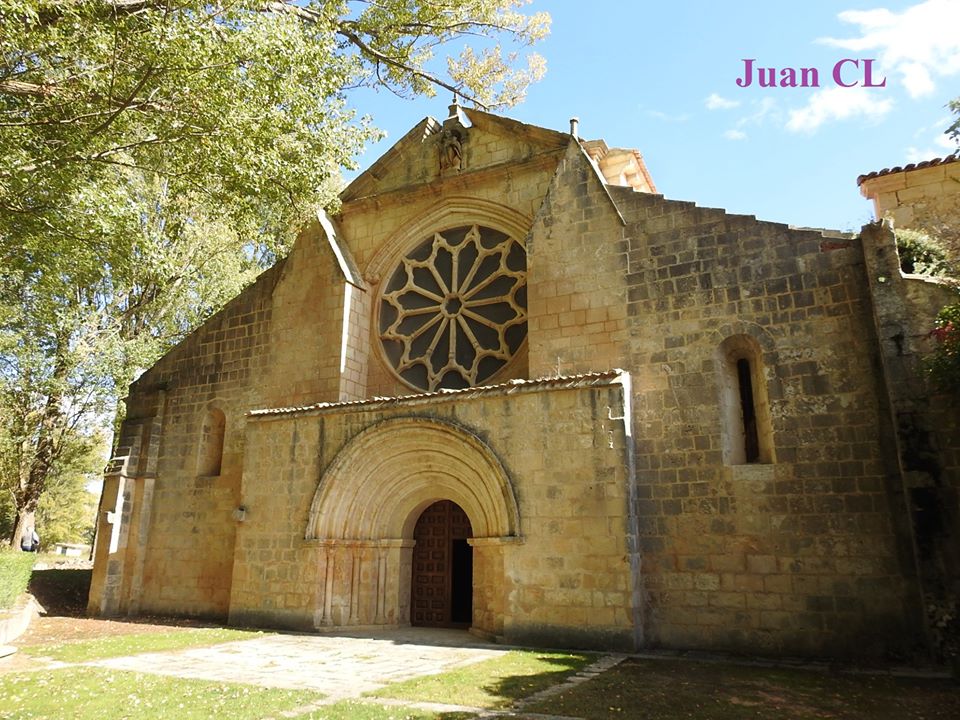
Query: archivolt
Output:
(378,484)
(449,213)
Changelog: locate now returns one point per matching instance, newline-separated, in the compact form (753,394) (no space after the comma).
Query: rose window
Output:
(455,310)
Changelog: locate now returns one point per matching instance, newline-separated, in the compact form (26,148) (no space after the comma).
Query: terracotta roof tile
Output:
(906,168)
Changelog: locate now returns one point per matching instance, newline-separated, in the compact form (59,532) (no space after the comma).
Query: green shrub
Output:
(15,569)
(920,254)
(943,364)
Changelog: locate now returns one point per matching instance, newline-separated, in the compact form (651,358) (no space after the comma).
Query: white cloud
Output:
(762,111)
(945,142)
(715,102)
(837,103)
(932,142)
(915,155)
(666,117)
(920,44)
(935,128)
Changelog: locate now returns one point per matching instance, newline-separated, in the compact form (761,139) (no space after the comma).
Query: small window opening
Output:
(748,410)
(746,429)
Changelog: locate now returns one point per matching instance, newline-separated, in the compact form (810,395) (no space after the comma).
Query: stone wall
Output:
(800,552)
(926,440)
(180,558)
(576,278)
(806,551)
(256,352)
(188,549)
(285,341)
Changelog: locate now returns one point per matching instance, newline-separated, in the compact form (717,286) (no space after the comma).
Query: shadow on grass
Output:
(673,689)
(62,592)
(495,683)
(517,687)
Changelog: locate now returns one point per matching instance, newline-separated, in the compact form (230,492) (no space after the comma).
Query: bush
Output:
(15,569)
(943,364)
(920,254)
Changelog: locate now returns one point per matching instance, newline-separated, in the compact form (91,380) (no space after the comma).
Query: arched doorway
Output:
(441,588)
(365,512)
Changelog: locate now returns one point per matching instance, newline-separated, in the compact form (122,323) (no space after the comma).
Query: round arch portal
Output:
(382,480)
(366,509)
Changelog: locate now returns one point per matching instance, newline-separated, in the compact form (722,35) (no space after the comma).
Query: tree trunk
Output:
(31,488)
(26,521)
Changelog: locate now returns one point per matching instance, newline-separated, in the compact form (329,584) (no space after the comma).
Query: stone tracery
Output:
(455,310)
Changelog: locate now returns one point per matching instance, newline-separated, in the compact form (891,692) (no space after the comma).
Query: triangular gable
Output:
(533,134)
(415,158)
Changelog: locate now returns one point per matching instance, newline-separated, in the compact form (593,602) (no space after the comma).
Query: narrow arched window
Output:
(748,411)
(211,443)
(747,433)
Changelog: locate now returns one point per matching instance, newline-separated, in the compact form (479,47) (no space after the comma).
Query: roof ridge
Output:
(585,379)
(953,157)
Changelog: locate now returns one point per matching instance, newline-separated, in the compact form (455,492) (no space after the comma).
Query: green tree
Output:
(67,509)
(154,156)
(76,324)
(243,101)
(954,130)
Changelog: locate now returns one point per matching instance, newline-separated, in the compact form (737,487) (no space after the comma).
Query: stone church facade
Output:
(509,387)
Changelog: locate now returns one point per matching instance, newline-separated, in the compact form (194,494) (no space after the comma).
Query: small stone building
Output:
(919,196)
(510,388)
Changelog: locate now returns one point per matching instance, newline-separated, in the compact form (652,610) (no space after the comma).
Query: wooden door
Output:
(442,569)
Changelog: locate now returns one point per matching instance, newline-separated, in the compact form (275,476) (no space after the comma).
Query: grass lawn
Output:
(673,689)
(96,694)
(494,683)
(356,710)
(120,645)
(637,688)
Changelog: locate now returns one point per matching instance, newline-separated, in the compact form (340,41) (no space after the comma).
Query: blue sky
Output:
(660,77)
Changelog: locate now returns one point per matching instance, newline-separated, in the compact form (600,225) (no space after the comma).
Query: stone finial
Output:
(575,127)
